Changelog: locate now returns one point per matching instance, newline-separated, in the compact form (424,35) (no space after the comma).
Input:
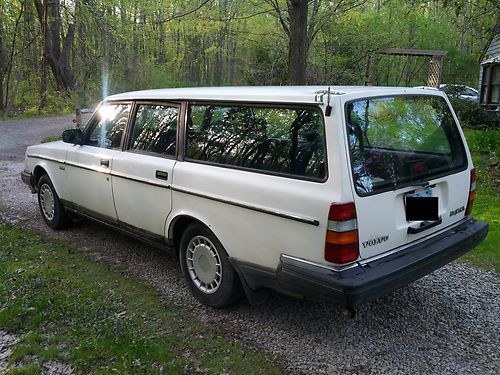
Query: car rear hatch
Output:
(409,169)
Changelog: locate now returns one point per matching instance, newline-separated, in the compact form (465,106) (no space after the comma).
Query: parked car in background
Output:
(460,91)
(327,193)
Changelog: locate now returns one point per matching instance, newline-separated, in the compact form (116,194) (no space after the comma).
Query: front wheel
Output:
(207,269)
(51,208)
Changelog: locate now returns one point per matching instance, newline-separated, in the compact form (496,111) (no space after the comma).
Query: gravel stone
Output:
(447,322)
(6,342)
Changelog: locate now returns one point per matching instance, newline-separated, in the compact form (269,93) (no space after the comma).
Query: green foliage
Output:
(487,208)
(146,44)
(483,142)
(485,149)
(52,138)
(66,307)
(473,116)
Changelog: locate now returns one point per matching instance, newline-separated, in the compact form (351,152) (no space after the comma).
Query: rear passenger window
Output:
(277,140)
(155,129)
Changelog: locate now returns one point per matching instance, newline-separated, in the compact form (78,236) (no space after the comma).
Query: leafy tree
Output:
(55,53)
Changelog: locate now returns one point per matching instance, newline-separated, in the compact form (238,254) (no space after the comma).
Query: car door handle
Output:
(162,175)
(105,163)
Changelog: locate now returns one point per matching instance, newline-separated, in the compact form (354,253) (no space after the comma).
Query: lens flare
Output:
(105,81)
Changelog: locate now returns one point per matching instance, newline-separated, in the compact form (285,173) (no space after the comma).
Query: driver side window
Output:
(108,125)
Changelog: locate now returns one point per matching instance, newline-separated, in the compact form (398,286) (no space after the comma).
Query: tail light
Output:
(418,168)
(472,192)
(341,243)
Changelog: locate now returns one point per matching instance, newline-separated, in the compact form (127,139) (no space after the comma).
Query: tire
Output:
(206,268)
(51,208)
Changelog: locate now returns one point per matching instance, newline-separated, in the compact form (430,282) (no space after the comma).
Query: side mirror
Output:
(74,136)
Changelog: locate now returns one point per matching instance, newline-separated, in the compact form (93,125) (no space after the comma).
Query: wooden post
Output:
(435,65)
(78,115)
(368,81)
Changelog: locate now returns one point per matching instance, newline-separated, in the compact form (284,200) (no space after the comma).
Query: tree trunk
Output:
(56,46)
(41,9)
(297,46)
(2,59)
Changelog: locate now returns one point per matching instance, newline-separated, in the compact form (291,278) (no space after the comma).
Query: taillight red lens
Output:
(473,176)
(341,212)
(419,167)
(341,242)
(341,253)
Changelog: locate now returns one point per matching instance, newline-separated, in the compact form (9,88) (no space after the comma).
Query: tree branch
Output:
(180,15)
(279,13)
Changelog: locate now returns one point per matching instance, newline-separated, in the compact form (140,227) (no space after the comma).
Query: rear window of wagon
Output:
(399,140)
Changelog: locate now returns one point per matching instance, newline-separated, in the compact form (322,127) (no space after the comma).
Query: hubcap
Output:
(47,201)
(204,264)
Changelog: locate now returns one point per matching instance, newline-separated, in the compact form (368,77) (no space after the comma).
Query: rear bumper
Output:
(28,180)
(367,281)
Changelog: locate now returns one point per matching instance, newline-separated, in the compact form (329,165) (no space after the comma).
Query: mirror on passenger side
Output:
(74,136)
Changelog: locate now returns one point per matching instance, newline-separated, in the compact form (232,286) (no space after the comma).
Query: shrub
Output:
(473,116)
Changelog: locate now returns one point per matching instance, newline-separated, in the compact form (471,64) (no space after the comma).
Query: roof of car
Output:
(288,94)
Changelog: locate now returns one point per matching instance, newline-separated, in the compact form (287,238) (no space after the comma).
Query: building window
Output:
(490,85)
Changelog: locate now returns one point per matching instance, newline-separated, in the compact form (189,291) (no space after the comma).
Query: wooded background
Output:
(56,53)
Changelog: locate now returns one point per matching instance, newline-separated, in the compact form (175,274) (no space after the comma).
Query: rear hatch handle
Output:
(424,226)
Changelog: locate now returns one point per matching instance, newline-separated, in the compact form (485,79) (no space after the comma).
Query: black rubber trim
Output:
(98,170)
(28,179)
(249,207)
(362,283)
(139,180)
(44,158)
(424,226)
(63,162)
(150,238)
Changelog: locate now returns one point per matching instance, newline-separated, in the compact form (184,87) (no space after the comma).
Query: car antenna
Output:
(328,110)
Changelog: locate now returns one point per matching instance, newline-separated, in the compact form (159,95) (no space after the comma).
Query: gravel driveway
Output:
(447,322)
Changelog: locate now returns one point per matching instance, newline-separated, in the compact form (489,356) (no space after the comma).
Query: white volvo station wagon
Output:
(341,194)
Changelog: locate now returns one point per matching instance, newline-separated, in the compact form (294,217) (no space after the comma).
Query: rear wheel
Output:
(52,210)
(207,269)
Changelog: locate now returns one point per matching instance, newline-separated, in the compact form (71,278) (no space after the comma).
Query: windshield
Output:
(397,141)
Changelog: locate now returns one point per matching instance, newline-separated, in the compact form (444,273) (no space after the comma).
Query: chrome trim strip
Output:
(364,262)
(413,243)
(44,158)
(249,207)
(329,268)
(142,181)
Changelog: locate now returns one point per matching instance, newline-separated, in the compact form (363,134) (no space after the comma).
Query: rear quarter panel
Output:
(248,234)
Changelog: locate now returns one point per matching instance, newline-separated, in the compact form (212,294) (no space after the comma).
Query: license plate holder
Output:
(421,206)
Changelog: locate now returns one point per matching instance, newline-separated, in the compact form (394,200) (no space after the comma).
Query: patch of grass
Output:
(66,307)
(34,113)
(25,370)
(485,149)
(52,138)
